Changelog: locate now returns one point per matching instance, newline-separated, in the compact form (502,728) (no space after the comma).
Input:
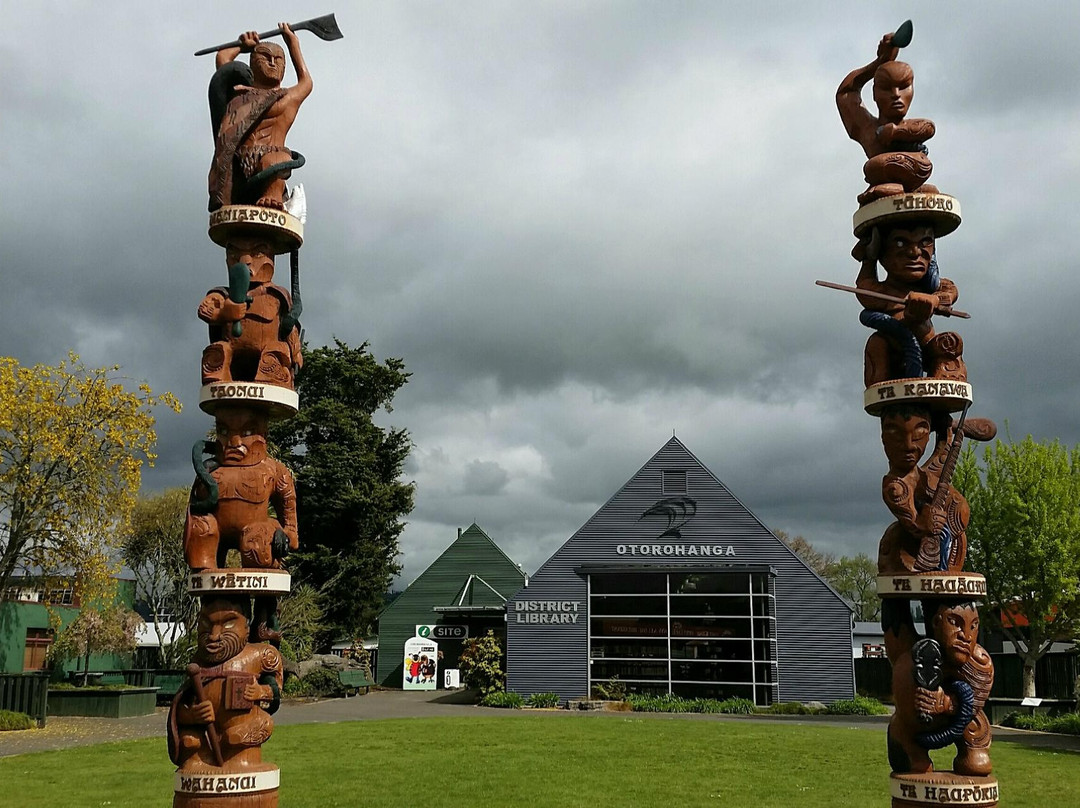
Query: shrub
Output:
(788,708)
(320,683)
(500,698)
(543,700)
(1067,723)
(670,703)
(860,705)
(293,687)
(481,665)
(11,721)
(611,690)
(736,706)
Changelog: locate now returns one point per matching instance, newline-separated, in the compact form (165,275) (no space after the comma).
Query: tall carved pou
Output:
(916,381)
(244,500)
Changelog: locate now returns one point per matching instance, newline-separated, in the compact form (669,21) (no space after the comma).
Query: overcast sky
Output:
(581,224)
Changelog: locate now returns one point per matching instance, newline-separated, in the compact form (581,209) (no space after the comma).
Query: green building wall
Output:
(441,584)
(17,616)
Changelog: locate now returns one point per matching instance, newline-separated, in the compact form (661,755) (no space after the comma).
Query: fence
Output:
(25,693)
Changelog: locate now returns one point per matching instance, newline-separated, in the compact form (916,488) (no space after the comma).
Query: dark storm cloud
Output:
(484,478)
(581,225)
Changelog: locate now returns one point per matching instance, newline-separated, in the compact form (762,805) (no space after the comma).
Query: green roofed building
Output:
(466,586)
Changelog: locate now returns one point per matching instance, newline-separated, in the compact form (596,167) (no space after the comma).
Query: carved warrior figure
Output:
(905,345)
(251,114)
(222,715)
(930,531)
(230,498)
(898,161)
(940,685)
(254,327)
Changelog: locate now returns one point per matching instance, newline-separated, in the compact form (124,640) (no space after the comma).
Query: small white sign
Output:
(452,678)
(1031,701)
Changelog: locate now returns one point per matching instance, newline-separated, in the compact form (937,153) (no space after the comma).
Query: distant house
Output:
(466,586)
(25,632)
(674,586)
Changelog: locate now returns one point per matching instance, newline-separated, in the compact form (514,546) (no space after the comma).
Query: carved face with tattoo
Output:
(904,434)
(222,632)
(268,64)
(957,629)
(893,91)
(242,435)
(906,253)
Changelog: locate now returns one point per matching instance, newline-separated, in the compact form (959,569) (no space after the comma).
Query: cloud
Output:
(581,225)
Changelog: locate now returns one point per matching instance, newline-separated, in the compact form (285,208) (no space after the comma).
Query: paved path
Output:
(65,732)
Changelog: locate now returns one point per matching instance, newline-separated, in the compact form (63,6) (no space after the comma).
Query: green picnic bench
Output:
(354,680)
(112,678)
(168,683)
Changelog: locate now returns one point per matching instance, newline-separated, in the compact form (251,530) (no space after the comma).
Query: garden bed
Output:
(102,702)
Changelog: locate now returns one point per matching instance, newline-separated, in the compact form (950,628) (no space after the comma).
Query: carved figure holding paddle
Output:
(251,114)
(898,161)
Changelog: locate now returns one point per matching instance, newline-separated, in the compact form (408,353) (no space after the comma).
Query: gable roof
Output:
(472,571)
(634,515)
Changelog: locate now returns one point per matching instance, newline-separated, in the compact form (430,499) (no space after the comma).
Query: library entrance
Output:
(703,632)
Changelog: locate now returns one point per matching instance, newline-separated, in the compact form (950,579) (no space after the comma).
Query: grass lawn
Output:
(525,761)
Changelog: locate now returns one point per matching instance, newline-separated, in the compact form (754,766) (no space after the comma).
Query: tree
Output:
(817,561)
(72,445)
(350,497)
(98,629)
(1024,536)
(300,621)
(153,549)
(856,581)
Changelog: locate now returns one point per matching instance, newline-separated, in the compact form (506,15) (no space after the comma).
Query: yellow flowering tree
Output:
(73,441)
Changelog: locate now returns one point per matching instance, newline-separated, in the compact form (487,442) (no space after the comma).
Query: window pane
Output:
(709,583)
(762,606)
(636,649)
(628,627)
(622,604)
(765,650)
(607,668)
(710,627)
(766,672)
(710,649)
(708,671)
(763,628)
(760,583)
(710,604)
(654,583)
(712,691)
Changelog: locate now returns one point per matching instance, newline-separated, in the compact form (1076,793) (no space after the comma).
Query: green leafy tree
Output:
(481,664)
(300,615)
(1024,536)
(98,629)
(855,578)
(153,549)
(350,495)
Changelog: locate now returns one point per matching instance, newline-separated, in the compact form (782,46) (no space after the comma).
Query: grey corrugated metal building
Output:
(465,586)
(675,586)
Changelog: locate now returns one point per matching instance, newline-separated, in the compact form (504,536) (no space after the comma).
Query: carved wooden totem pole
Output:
(916,382)
(243,499)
